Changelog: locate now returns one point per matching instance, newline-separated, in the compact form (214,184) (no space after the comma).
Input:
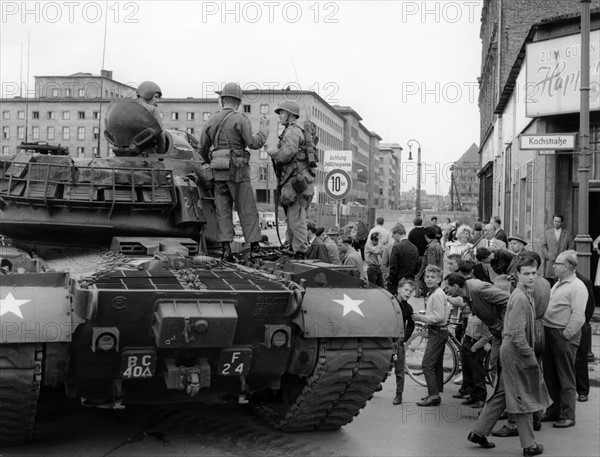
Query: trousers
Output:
(241,193)
(433,360)
(297,233)
(399,366)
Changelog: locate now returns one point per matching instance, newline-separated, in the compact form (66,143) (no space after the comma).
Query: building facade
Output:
(541,96)
(464,189)
(388,177)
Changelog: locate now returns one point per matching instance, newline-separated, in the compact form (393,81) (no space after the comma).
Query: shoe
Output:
(478,404)
(430,401)
(468,401)
(379,388)
(227,254)
(459,395)
(505,432)
(582,398)
(397,399)
(458,380)
(564,423)
(549,418)
(481,440)
(537,449)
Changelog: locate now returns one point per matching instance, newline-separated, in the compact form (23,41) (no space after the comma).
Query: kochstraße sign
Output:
(555,141)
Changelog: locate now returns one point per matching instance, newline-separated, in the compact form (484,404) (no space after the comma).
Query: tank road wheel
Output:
(347,372)
(20,380)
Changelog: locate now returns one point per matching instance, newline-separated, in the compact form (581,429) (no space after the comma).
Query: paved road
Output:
(66,429)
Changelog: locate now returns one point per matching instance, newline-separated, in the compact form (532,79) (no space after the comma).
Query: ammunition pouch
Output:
(240,158)
(220,159)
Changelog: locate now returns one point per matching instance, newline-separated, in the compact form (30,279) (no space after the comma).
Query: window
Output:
(20,133)
(5,150)
(6,133)
(81,151)
(96,115)
(81,133)
(95,151)
(264,109)
(66,115)
(81,115)
(96,133)
(205,116)
(81,92)
(66,133)
(174,116)
(67,92)
(35,115)
(20,114)
(35,133)
(51,115)
(246,108)
(190,116)
(262,154)
(5,114)
(55,92)
(112,94)
(262,174)
(190,130)
(50,133)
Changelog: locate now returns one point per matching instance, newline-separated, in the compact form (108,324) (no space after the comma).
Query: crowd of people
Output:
(532,314)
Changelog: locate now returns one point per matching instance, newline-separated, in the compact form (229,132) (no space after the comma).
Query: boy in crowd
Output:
(406,288)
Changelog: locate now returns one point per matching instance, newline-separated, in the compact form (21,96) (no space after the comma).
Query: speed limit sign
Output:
(338,184)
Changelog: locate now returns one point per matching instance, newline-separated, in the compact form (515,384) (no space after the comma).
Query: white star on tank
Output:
(350,305)
(11,305)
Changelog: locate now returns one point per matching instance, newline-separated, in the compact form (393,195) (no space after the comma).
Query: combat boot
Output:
(227,254)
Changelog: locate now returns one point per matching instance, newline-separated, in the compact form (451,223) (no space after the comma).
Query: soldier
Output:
(148,95)
(223,144)
(294,175)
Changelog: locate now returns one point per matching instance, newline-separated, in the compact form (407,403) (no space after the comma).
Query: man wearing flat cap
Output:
(333,252)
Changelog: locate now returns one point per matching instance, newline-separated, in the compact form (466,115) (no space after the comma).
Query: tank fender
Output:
(35,308)
(343,312)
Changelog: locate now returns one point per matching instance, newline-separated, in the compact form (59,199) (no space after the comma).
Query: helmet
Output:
(147,89)
(289,106)
(231,90)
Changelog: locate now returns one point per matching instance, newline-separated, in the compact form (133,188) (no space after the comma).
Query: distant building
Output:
(388,177)
(464,190)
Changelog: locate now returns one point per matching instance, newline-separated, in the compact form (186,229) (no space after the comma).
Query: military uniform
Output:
(296,184)
(232,182)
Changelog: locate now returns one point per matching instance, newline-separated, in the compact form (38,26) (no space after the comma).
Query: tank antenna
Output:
(102,82)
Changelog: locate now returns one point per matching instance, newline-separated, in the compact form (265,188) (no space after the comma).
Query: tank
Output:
(108,291)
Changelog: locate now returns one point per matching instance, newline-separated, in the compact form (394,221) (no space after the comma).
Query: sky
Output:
(409,68)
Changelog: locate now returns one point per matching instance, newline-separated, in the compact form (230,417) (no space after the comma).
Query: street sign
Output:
(333,160)
(546,141)
(338,184)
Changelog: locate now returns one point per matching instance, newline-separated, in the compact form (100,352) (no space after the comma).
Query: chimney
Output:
(106,74)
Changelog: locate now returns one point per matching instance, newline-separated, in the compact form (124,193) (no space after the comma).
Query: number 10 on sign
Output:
(338,184)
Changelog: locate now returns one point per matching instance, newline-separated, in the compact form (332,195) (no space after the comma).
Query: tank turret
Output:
(48,197)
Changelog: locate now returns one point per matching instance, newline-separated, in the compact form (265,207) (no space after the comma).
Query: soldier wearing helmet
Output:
(148,94)
(295,181)
(223,144)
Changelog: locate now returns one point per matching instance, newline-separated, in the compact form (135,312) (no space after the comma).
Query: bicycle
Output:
(414,349)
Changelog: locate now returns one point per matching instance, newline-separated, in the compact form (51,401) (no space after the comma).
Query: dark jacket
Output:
(417,237)
(488,303)
(317,250)
(404,263)
(591,303)
(409,324)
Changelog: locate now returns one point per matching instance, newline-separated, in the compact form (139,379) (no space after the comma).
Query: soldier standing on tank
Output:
(295,186)
(148,95)
(223,144)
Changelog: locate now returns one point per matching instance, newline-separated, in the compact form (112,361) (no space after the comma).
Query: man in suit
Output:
(556,240)
(316,248)
(404,260)
(499,234)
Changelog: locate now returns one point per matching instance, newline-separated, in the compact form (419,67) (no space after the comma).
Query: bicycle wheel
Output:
(415,349)
(489,375)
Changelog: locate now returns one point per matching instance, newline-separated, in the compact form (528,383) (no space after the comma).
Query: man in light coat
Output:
(556,240)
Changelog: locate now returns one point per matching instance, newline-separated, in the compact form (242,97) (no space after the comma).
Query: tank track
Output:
(347,372)
(20,380)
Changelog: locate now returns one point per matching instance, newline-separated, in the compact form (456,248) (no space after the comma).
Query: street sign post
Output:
(338,185)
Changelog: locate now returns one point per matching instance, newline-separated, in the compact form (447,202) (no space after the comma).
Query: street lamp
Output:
(418,202)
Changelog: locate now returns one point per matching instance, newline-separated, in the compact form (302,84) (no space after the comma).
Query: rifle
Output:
(277,197)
